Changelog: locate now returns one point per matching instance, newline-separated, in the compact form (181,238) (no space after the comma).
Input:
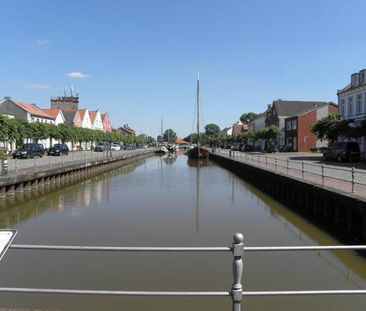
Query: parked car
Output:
(102,146)
(42,148)
(58,150)
(343,151)
(28,151)
(115,147)
(247,148)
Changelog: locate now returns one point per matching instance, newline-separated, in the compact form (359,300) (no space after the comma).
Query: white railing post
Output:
(236,288)
(16,166)
(353,180)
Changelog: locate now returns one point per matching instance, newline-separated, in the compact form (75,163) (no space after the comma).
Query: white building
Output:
(352,101)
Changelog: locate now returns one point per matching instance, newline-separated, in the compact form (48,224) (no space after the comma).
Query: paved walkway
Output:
(349,178)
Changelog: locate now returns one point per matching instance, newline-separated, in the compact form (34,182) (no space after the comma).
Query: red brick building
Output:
(298,135)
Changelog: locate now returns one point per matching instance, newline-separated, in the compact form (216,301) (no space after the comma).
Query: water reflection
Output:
(159,203)
(77,197)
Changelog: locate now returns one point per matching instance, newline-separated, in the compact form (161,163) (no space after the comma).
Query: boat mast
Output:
(198,108)
(161,130)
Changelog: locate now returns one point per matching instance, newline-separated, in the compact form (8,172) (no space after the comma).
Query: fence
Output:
(23,166)
(348,179)
(236,292)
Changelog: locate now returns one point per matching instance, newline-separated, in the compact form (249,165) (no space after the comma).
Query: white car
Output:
(115,147)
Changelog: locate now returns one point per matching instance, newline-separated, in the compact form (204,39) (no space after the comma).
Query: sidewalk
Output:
(348,178)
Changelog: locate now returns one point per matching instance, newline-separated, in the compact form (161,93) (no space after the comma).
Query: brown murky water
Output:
(167,202)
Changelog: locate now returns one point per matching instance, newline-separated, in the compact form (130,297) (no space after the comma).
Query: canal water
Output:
(169,202)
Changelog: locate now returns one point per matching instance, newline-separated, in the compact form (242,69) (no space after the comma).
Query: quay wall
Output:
(10,185)
(340,213)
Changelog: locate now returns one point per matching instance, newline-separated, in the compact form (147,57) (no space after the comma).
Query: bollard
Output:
(323,174)
(275,164)
(266,162)
(236,288)
(287,165)
(35,164)
(302,169)
(353,180)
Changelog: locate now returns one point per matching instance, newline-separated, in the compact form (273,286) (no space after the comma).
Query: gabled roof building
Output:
(25,111)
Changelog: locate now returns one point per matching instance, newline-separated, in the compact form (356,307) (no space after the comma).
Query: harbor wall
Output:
(62,176)
(342,214)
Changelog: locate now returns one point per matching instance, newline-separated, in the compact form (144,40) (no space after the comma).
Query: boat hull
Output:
(198,153)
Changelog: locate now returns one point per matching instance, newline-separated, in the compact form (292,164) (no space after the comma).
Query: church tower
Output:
(65,102)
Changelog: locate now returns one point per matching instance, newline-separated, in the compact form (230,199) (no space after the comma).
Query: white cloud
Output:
(28,85)
(77,75)
(37,86)
(43,42)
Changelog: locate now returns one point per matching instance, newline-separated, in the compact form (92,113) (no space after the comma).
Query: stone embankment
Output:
(338,211)
(64,172)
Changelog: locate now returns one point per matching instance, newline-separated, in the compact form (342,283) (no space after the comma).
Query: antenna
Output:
(71,89)
(64,90)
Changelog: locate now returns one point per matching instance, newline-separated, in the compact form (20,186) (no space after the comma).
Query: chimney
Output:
(355,79)
(362,76)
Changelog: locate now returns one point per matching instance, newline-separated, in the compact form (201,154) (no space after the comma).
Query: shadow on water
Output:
(302,228)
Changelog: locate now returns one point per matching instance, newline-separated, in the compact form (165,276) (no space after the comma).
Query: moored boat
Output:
(198,152)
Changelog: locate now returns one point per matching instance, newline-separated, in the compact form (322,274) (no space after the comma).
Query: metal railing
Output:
(349,179)
(236,292)
(20,167)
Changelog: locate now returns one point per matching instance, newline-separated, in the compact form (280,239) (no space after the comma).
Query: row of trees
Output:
(19,131)
(333,126)
(212,136)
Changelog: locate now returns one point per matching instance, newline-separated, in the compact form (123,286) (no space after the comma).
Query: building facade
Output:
(298,135)
(352,101)
(280,110)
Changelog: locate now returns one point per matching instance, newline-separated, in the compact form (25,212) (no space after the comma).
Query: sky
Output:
(138,59)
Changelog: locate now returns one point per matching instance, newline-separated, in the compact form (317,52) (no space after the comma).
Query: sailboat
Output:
(198,152)
(162,149)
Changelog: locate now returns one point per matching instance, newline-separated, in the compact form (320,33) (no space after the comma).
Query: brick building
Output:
(298,135)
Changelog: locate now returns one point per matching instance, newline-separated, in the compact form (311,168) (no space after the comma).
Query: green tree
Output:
(248,117)
(331,127)
(170,136)
(212,129)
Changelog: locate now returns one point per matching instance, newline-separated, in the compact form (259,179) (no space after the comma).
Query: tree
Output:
(212,129)
(170,136)
(248,117)
(331,127)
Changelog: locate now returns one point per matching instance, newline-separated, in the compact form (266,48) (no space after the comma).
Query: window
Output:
(294,124)
(350,106)
(341,107)
(288,125)
(358,103)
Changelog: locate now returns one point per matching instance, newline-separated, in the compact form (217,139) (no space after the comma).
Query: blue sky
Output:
(137,59)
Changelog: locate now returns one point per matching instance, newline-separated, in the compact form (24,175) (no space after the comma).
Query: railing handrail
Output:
(185,249)
(238,249)
(280,163)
